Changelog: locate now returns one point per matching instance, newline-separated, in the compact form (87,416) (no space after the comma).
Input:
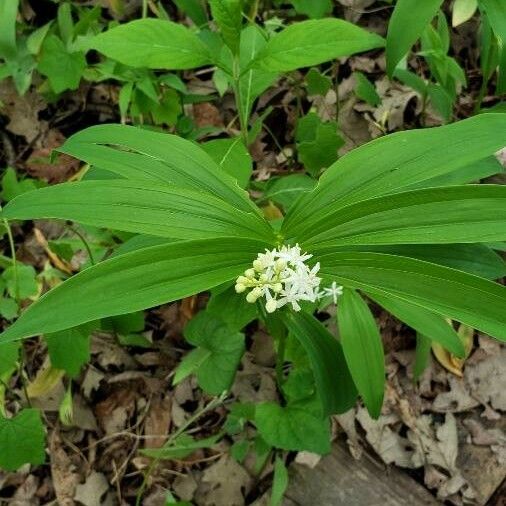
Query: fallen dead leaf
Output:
(225,482)
(157,422)
(63,472)
(93,490)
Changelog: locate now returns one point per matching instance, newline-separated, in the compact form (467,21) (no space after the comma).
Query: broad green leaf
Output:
(12,187)
(219,352)
(140,207)
(9,356)
(477,259)
(141,154)
(296,427)
(233,157)
(228,16)
(334,385)
(135,281)
(473,172)
(140,242)
(317,143)
(363,349)
(153,43)
(441,100)
(69,349)
(313,42)
(195,9)
(181,447)
(312,8)
(279,482)
(409,19)
(8,14)
(402,161)
(433,325)
(463,10)
(8,308)
(454,294)
(22,440)
(496,14)
(26,282)
(287,189)
(365,90)
(252,81)
(299,385)
(235,311)
(422,355)
(456,214)
(317,83)
(62,67)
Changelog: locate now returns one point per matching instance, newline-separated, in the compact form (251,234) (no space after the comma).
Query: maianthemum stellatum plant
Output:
(394,221)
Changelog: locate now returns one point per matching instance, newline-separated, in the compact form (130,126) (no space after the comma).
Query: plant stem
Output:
(14,262)
(85,243)
(243,121)
(481,96)
(144,8)
(280,360)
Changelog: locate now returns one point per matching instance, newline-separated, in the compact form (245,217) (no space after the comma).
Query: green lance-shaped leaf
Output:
(469,299)
(465,214)
(477,259)
(433,325)
(152,43)
(138,154)
(408,21)
(403,161)
(8,14)
(135,281)
(334,385)
(252,81)
(228,16)
(313,42)
(363,349)
(496,13)
(140,207)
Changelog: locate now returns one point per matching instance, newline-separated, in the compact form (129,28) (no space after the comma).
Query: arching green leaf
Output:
(402,161)
(454,294)
(313,42)
(363,349)
(135,281)
(140,207)
(152,43)
(465,214)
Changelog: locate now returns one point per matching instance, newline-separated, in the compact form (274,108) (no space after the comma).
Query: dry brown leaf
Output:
(224,483)
(157,422)
(185,487)
(63,473)
(389,445)
(486,379)
(39,165)
(93,490)
(206,114)
(456,400)
(22,111)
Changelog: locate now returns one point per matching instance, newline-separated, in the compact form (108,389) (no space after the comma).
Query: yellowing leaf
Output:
(46,379)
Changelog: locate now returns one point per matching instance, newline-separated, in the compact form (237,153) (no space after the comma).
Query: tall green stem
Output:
(280,360)
(243,120)
(14,262)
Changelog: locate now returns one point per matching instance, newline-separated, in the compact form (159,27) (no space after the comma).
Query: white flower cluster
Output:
(282,277)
